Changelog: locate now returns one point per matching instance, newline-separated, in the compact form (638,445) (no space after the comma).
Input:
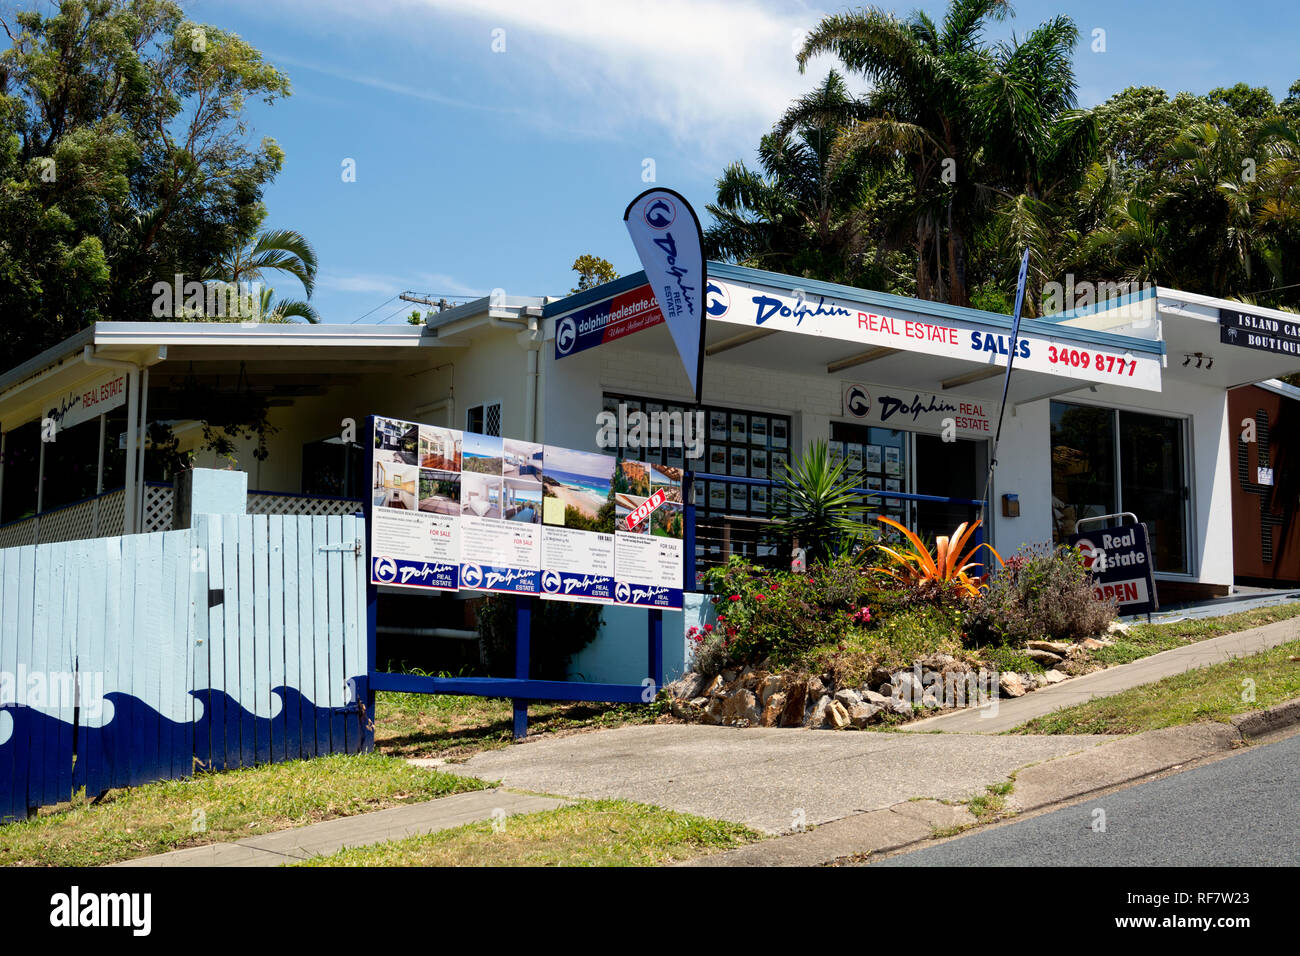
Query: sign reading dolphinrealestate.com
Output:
(1120,561)
(453,510)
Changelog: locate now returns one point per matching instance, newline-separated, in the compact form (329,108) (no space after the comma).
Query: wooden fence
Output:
(147,657)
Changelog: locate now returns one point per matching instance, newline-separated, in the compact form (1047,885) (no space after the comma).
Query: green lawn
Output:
(1143,640)
(588,833)
(1208,693)
(219,807)
(438,725)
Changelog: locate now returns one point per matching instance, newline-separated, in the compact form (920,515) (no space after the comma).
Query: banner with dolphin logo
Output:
(670,244)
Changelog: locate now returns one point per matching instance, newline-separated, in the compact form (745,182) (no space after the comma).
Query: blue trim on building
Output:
(725,270)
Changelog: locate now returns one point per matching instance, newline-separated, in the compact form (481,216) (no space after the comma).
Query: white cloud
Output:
(715,73)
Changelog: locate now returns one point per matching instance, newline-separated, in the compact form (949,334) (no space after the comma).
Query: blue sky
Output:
(481,168)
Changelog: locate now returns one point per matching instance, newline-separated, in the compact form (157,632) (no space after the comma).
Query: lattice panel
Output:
(157,508)
(18,533)
(263,503)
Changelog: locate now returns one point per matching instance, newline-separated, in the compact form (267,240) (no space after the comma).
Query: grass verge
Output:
(219,807)
(455,727)
(1143,640)
(1207,693)
(588,833)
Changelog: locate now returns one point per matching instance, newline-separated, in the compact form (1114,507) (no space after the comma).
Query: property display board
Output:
(453,510)
(1120,561)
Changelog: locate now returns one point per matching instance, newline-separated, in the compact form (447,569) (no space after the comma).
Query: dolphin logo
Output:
(566,335)
(858,401)
(551,581)
(471,575)
(622,592)
(718,300)
(385,570)
(660,214)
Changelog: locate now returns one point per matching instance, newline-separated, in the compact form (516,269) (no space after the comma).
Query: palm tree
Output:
(975,126)
(273,250)
(799,213)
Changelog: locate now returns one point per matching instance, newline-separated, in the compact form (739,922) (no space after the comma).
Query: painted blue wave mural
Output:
(44,759)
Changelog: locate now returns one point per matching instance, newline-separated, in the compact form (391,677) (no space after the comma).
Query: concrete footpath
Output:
(772,779)
(395,823)
(1005,714)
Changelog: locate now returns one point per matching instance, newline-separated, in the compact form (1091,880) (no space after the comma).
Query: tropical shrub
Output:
(1040,593)
(820,506)
(764,615)
(943,571)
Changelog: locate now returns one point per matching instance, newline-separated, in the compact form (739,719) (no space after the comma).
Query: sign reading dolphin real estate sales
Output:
(648,553)
(577,526)
(753,305)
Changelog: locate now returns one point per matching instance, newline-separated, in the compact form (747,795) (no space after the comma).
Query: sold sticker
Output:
(644,508)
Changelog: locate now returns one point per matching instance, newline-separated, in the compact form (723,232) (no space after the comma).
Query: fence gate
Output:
(147,657)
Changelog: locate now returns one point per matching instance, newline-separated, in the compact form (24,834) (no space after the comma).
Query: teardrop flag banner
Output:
(668,239)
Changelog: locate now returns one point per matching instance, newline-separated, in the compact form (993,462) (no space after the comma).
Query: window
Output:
(484,419)
(1106,461)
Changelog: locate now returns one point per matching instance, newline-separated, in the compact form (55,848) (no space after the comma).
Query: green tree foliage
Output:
(124,160)
(592,271)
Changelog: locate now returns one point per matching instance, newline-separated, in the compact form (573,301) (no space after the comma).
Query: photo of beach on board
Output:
(581,483)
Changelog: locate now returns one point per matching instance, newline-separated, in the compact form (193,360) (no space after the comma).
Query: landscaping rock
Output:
(908,687)
(688,686)
(886,690)
(688,709)
(1117,626)
(750,678)
(816,688)
(714,687)
(1010,684)
(818,716)
(837,715)
(773,710)
(1046,658)
(860,714)
(795,701)
(900,706)
(1055,647)
(1030,681)
(1054,677)
(1092,644)
(880,675)
(712,712)
(937,661)
(742,705)
(848,697)
(770,685)
(929,701)
(877,699)
(728,676)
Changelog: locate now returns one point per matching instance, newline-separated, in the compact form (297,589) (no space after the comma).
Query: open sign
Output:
(644,508)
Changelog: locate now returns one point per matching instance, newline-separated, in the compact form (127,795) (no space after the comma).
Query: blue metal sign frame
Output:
(520,688)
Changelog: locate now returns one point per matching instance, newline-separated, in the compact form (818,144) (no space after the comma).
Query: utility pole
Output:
(442,304)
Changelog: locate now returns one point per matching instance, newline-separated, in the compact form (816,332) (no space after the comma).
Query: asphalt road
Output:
(1243,810)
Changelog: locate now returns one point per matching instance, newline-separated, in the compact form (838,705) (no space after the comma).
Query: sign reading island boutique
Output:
(1262,333)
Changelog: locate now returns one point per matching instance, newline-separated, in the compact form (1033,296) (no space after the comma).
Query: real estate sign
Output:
(453,510)
(1120,561)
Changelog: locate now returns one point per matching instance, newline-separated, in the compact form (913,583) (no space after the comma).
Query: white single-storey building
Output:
(1119,408)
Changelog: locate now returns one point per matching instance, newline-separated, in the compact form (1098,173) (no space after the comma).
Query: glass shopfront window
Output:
(1106,461)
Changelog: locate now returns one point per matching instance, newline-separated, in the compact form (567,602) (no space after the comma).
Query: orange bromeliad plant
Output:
(948,565)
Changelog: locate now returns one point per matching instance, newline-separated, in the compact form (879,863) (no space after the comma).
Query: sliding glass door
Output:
(1106,461)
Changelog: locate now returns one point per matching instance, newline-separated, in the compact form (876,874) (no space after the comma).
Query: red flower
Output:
(811,581)
(735,597)
(760,596)
(708,628)
(731,632)
(722,617)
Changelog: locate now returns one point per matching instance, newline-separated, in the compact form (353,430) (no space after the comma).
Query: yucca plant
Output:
(946,567)
(821,506)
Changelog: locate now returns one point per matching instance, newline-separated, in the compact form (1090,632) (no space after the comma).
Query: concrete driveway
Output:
(771,779)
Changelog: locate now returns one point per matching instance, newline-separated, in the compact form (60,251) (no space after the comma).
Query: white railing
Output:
(102,516)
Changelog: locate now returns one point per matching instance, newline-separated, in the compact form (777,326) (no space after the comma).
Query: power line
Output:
(374,310)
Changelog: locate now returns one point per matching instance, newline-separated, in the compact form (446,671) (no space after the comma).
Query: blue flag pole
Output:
(1006,381)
